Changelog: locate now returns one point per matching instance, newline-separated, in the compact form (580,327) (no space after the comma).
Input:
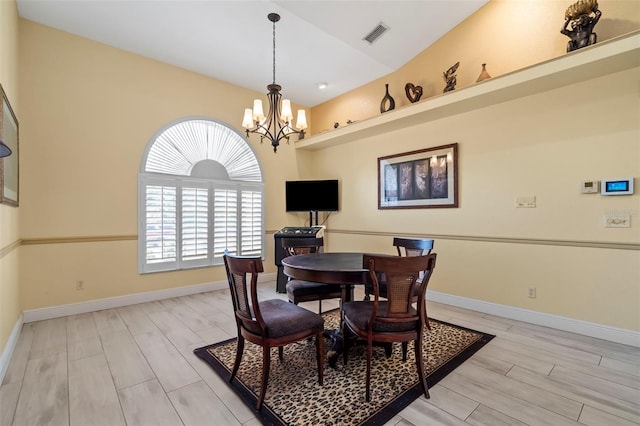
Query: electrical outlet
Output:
(532,292)
(79,285)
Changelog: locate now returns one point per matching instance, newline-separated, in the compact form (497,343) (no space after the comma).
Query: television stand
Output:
(311,218)
(290,232)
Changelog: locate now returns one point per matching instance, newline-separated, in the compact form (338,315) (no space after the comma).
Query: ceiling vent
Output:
(375,34)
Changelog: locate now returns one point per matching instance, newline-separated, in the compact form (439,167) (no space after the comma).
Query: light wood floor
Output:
(134,365)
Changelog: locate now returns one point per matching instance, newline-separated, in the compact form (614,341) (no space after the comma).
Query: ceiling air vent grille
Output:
(380,29)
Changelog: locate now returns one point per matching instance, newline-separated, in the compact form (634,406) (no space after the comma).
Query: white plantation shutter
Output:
(201,193)
(195,223)
(161,238)
(177,149)
(251,223)
(238,221)
(225,221)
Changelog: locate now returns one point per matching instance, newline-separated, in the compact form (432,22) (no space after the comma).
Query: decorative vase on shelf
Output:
(387,100)
(484,75)
(414,93)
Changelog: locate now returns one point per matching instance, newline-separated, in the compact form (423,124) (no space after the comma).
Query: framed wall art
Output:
(8,165)
(427,178)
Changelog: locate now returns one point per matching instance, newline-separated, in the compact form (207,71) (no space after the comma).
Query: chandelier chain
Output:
(274,52)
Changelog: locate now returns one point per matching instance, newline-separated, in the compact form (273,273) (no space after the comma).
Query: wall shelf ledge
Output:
(601,59)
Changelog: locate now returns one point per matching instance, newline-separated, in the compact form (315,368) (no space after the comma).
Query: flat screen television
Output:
(311,195)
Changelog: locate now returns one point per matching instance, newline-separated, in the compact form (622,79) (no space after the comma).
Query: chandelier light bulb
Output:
(301,123)
(287,114)
(247,121)
(258,113)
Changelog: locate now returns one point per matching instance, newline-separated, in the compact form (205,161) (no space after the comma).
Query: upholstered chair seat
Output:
(284,318)
(360,312)
(298,290)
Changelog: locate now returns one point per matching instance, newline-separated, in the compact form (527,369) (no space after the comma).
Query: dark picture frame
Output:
(426,178)
(9,173)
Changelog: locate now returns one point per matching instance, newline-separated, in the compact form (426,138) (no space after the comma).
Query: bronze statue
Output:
(450,77)
(582,23)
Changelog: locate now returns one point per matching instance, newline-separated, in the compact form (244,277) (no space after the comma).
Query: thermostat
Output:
(622,186)
(590,187)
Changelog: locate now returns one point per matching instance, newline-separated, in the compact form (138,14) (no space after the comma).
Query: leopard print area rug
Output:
(294,396)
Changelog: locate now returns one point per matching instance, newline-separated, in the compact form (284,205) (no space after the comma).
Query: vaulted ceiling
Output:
(231,40)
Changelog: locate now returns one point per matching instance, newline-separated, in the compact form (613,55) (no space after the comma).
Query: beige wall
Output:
(542,145)
(89,111)
(10,308)
(507,35)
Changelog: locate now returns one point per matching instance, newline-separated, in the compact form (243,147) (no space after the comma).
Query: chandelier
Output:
(277,124)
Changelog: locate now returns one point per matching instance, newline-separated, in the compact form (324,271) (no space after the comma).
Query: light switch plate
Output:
(617,220)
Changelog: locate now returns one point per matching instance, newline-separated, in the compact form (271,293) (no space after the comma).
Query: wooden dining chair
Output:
(306,291)
(394,319)
(268,323)
(404,247)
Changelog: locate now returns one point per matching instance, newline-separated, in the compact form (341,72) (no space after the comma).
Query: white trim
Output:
(130,299)
(40,314)
(116,302)
(7,352)
(600,331)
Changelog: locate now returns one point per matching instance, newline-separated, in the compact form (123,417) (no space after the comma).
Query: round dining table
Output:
(329,268)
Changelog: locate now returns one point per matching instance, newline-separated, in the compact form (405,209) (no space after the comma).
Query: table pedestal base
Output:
(337,346)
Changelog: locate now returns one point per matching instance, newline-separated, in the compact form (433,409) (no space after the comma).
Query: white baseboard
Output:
(7,352)
(600,331)
(40,314)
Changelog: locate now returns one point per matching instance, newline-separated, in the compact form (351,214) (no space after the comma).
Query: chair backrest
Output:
(402,275)
(293,246)
(413,247)
(242,275)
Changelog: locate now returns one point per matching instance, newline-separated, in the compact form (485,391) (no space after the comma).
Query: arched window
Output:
(200,191)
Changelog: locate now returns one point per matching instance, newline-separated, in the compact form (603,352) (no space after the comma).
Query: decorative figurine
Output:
(387,99)
(582,23)
(414,93)
(484,75)
(450,77)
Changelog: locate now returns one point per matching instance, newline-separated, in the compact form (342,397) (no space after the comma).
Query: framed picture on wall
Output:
(8,165)
(427,178)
